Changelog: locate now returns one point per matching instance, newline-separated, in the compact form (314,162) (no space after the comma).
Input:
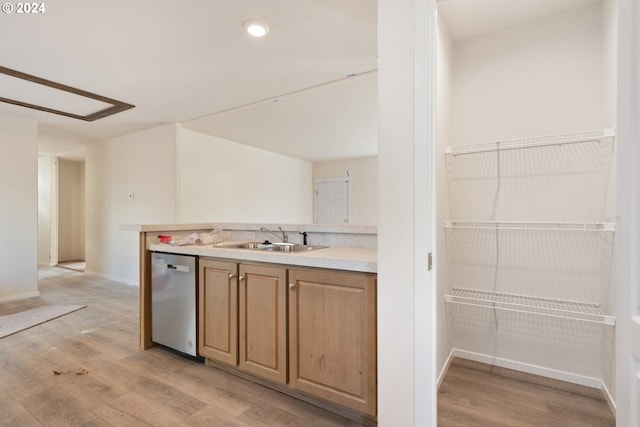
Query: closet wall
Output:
(547,76)
(443,213)
(543,77)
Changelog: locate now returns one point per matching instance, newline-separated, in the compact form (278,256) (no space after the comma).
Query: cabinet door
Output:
(332,336)
(218,336)
(263,327)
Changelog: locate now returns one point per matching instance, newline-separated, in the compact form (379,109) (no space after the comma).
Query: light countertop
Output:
(321,228)
(166,227)
(338,258)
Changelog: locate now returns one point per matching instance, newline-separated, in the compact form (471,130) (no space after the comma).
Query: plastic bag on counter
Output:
(213,236)
(189,240)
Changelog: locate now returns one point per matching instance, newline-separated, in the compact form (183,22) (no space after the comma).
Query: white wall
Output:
(609,63)
(71,210)
(19,212)
(540,78)
(610,49)
(167,169)
(223,181)
(364,185)
(443,213)
(57,142)
(47,211)
(142,164)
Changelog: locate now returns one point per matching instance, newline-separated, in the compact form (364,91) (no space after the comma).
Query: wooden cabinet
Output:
(332,336)
(263,321)
(313,334)
(218,311)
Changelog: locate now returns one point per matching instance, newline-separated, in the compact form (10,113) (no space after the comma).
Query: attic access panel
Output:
(99,106)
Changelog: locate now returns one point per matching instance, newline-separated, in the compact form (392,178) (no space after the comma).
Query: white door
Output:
(628,222)
(332,201)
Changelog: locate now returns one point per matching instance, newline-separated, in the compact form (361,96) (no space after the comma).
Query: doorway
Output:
(498,109)
(61,212)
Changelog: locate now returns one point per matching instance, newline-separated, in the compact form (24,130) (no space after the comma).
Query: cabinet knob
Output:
(292,285)
(231,275)
(241,278)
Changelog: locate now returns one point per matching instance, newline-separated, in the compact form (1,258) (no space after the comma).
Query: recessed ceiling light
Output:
(256,28)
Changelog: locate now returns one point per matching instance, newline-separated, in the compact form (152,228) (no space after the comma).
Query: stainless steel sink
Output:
(270,247)
(291,247)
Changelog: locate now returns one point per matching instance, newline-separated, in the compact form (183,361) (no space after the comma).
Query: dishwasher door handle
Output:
(180,268)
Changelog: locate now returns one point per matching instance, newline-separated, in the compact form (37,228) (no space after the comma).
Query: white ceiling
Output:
(180,60)
(467,19)
(333,120)
(190,62)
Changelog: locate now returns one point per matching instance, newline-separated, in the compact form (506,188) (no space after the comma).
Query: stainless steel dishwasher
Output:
(174,304)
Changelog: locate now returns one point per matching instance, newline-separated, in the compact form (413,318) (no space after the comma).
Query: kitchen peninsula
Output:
(301,322)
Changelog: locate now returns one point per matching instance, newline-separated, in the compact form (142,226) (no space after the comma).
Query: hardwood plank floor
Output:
(123,386)
(128,387)
(477,395)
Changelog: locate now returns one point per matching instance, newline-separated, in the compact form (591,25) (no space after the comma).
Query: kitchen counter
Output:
(341,272)
(338,258)
(350,248)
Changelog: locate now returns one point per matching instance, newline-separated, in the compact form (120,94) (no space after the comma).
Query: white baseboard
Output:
(114,278)
(20,296)
(445,368)
(610,401)
(533,369)
(530,369)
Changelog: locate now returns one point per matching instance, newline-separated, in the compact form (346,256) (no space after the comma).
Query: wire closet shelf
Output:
(542,141)
(572,310)
(533,225)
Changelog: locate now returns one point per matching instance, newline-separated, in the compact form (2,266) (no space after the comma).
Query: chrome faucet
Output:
(284,237)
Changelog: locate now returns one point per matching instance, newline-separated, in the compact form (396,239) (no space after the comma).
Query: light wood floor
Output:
(125,386)
(478,395)
(73,265)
